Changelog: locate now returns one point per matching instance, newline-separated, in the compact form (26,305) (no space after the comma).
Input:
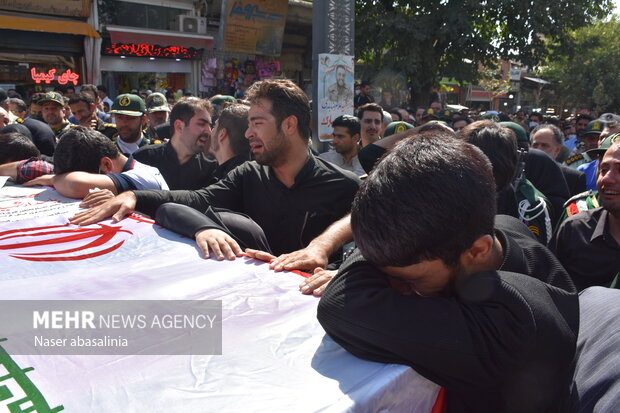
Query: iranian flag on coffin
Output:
(273,348)
(45,246)
(19,203)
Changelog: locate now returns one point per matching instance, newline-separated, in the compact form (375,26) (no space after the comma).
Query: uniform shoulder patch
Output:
(573,159)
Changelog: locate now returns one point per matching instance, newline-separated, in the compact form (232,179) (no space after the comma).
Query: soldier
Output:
(157,112)
(84,111)
(588,139)
(130,115)
(52,108)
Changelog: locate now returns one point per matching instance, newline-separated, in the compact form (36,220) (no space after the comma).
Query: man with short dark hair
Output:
(102,92)
(459,123)
(20,158)
(84,111)
(86,160)
(364,96)
(536,119)
(371,122)
(18,107)
(436,285)
(588,243)
(227,143)
(339,91)
(291,194)
(181,160)
(345,141)
(34,109)
(94,94)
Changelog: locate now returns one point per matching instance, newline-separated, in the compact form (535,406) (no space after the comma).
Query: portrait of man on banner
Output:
(335,91)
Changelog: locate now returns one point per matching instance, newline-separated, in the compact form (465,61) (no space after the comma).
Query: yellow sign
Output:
(254,26)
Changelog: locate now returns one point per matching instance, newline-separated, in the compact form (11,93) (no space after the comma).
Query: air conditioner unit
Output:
(191,24)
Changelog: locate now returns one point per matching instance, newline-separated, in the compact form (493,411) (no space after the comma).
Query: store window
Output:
(144,15)
(29,73)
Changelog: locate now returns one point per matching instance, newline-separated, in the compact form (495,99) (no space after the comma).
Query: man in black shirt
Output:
(228,144)
(290,193)
(430,285)
(180,160)
(588,243)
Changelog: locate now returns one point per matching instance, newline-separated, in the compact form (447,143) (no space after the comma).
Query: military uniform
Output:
(577,159)
(129,105)
(58,99)
(579,156)
(129,148)
(66,125)
(108,129)
(151,135)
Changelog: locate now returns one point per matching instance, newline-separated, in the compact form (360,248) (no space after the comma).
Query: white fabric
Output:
(276,357)
(146,177)
(128,148)
(334,157)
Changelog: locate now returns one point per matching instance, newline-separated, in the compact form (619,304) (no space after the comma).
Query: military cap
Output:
(128,104)
(517,129)
(606,144)
(219,99)
(609,118)
(594,127)
(156,102)
(52,97)
(430,113)
(397,127)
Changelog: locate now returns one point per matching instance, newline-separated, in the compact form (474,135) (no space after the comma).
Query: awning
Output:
(537,80)
(48,26)
(122,34)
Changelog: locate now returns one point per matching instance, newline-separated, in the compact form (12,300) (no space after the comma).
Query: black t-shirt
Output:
(290,217)
(586,248)
(503,342)
(193,174)
(223,169)
(42,136)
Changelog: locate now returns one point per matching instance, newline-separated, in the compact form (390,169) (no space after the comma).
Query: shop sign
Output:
(48,77)
(253,26)
(150,50)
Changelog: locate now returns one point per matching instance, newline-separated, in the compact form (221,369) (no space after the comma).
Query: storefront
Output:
(39,54)
(137,59)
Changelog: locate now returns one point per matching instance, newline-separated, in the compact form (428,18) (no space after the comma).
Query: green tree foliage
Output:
(586,74)
(426,39)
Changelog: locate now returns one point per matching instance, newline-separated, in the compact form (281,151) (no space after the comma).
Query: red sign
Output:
(149,50)
(63,79)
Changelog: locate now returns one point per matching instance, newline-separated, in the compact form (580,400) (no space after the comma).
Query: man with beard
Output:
(227,143)
(84,112)
(157,112)
(340,92)
(588,243)
(129,114)
(291,194)
(52,105)
(181,160)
